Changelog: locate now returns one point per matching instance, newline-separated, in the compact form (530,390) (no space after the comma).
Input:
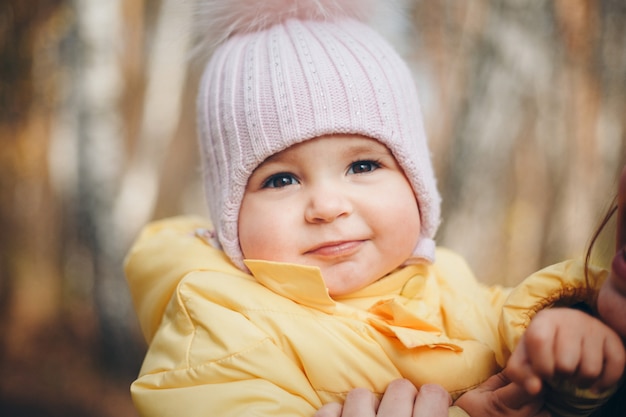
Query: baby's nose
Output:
(327,204)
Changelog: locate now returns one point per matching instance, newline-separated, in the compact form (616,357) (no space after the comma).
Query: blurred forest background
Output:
(524,102)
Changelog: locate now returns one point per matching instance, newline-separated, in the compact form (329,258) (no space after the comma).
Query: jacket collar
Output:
(305,285)
(299,283)
(404,304)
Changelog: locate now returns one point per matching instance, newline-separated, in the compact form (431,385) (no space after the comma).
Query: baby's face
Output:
(341,203)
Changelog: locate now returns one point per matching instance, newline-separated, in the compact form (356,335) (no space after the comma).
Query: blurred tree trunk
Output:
(525,126)
(98,133)
(30,274)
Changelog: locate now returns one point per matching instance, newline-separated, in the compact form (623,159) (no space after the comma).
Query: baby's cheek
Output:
(612,305)
(618,271)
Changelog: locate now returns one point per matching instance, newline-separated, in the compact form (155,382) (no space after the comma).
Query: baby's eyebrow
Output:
(272,162)
(275,158)
(367,149)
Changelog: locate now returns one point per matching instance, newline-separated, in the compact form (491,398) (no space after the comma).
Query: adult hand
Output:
(401,399)
(499,397)
(612,295)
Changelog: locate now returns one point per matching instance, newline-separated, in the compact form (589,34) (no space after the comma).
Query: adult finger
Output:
(514,396)
(432,401)
(398,399)
(360,402)
(495,382)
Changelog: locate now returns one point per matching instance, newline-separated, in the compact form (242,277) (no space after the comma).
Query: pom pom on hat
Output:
(314,70)
(217,20)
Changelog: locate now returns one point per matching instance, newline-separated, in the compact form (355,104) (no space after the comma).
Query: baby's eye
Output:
(360,167)
(280,180)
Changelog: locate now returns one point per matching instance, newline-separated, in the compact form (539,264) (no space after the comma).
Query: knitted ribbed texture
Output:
(265,91)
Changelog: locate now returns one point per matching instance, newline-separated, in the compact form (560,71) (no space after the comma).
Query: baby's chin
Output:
(341,283)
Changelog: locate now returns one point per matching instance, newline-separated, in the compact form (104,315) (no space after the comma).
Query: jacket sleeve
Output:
(163,253)
(561,285)
(229,368)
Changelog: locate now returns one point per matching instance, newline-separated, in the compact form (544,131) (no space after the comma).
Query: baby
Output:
(321,273)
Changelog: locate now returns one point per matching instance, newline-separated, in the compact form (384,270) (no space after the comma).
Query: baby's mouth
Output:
(336,249)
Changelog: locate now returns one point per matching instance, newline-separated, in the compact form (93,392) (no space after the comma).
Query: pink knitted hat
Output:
(268,89)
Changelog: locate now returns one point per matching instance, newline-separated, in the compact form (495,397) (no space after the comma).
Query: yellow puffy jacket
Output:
(223,342)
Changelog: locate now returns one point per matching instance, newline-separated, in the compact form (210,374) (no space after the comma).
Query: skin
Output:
(498,397)
(341,203)
(612,295)
(401,399)
(567,343)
